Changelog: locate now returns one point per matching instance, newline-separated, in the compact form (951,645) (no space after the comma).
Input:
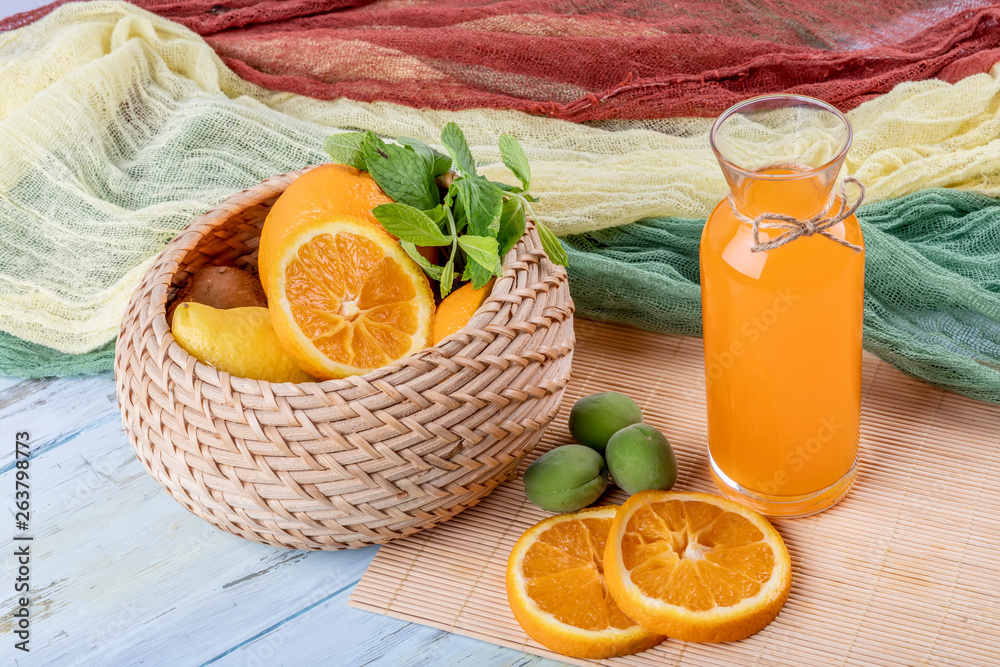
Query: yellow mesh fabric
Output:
(118,127)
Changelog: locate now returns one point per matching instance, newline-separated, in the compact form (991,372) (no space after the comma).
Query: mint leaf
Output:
(438,215)
(507,188)
(479,205)
(442,163)
(430,269)
(345,148)
(553,248)
(515,159)
(450,198)
(400,172)
(512,224)
(447,278)
(417,146)
(454,140)
(482,250)
(437,162)
(410,224)
(477,274)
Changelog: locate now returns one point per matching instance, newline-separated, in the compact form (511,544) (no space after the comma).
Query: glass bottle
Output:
(782,326)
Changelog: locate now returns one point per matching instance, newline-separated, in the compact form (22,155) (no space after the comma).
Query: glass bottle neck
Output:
(797,193)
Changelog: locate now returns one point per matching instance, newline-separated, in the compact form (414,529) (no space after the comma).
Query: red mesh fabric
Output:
(209,16)
(24,18)
(591,60)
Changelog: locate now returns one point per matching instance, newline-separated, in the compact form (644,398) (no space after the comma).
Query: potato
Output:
(221,287)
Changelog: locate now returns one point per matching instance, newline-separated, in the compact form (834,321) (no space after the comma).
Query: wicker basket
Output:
(341,463)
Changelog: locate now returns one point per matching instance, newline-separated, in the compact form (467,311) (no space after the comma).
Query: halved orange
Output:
(556,588)
(696,567)
(344,297)
(329,189)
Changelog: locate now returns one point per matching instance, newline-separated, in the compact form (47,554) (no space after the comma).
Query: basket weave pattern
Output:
(341,463)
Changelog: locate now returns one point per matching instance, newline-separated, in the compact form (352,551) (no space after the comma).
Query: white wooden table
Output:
(123,575)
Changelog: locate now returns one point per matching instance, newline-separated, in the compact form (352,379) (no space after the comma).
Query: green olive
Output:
(566,478)
(640,458)
(595,418)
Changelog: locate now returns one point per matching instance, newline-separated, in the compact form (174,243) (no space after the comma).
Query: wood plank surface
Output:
(123,575)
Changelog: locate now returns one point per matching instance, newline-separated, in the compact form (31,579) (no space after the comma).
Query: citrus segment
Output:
(345,298)
(696,567)
(557,592)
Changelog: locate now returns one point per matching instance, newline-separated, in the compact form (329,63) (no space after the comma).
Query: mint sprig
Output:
(439,162)
(410,224)
(482,250)
(401,173)
(430,269)
(512,224)
(345,148)
(481,220)
(478,205)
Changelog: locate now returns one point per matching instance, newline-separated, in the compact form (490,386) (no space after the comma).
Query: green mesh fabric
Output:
(30,360)
(932,293)
(644,274)
(932,302)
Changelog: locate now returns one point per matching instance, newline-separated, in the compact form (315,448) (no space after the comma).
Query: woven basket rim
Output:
(335,384)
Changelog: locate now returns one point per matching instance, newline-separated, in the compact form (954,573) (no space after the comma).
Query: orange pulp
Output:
(782,334)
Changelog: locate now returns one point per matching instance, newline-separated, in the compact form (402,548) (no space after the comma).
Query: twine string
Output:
(795,228)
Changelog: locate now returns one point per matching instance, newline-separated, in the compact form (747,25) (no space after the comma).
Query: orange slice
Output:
(345,298)
(556,588)
(696,567)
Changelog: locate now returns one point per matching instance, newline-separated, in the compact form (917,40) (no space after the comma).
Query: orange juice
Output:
(782,333)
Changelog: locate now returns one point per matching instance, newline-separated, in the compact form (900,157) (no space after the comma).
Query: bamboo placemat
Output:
(904,571)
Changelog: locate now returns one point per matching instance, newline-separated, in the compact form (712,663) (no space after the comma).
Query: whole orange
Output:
(458,308)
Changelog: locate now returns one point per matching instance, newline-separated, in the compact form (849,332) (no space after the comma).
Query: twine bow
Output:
(794,228)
